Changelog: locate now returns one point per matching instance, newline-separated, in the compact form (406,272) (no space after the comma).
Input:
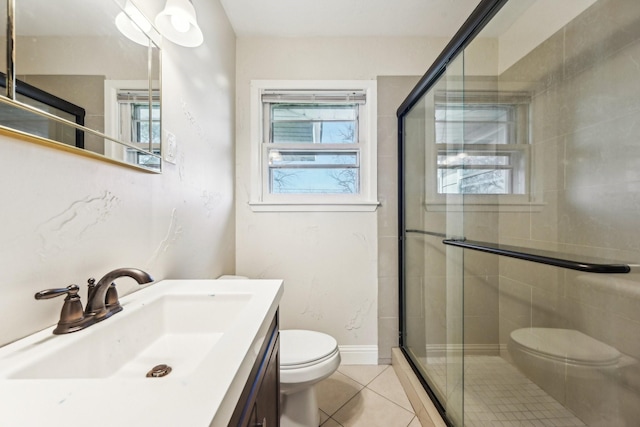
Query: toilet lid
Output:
(566,344)
(299,347)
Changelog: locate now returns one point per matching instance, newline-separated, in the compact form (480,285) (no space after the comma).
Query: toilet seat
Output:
(565,345)
(302,348)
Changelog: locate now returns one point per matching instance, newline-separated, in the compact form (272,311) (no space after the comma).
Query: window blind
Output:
(314,97)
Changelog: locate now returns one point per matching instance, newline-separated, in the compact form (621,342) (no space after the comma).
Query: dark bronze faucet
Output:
(102,300)
(102,297)
(72,316)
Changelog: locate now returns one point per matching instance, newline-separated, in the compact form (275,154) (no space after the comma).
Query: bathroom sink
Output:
(177,330)
(207,331)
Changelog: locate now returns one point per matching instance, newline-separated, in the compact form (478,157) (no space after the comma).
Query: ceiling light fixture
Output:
(133,24)
(177,22)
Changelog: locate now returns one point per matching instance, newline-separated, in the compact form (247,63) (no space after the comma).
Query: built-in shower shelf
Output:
(571,261)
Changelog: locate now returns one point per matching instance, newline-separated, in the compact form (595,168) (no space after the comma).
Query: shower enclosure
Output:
(519,169)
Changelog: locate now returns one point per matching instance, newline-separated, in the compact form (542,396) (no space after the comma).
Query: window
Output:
(140,126)
(314,143)
(482,143)
(132,117)
(312,148)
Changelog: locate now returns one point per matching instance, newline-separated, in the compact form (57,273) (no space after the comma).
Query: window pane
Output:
(474,181)
(140,122)
(473,133)
(475,124)
(311,123)
(475,112)
(460,159)
(314,112)
(312,158)
(314,180)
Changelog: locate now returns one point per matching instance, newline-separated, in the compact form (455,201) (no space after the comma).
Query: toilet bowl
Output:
(552,357)
(306,358)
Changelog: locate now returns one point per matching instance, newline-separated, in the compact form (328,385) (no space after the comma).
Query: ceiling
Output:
(347,18)
(62,17)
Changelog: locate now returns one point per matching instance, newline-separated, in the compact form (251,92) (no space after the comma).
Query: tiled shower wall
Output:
(585,167)
(391,92)
(586,177)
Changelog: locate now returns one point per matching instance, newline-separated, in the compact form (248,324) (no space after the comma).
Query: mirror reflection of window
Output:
(76,63)
(482,143)
(139,125)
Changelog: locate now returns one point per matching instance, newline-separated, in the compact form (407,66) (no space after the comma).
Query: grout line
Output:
(365,386)
(356,395)
(345,403)
(386,398)
(381,372)
(370,381)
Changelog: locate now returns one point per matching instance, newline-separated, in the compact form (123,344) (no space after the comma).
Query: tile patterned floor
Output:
(364,396)
(498,395)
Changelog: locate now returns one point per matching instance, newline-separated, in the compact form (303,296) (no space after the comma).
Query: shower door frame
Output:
(481,15)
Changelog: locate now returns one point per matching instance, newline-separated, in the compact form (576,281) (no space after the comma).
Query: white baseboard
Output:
(358,354)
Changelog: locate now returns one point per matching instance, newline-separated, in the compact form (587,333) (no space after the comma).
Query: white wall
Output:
(65,218)
(329,261)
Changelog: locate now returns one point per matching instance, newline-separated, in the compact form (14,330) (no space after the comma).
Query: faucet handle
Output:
(72,314)
(72,291)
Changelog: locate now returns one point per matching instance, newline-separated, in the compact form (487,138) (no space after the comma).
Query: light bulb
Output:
(180,23)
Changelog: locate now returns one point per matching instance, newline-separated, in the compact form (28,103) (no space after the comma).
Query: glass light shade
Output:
(131,30)
(177,22)
(133,24)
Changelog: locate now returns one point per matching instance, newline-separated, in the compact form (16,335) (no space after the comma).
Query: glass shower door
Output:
(433,272)
(519,226)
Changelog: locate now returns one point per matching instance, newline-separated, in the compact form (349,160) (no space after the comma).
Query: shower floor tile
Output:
(497,394)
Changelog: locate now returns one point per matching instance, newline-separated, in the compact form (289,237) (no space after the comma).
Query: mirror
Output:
(80,82)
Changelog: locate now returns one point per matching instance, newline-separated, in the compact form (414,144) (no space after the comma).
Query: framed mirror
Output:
(74,78)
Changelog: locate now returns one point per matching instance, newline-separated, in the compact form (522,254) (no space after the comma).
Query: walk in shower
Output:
(519,169)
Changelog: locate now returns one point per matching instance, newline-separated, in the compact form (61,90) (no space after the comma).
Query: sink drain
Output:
(159,371)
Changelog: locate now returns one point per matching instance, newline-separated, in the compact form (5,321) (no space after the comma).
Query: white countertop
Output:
(206,397)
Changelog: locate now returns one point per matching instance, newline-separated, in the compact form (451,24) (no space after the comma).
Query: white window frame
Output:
(365,200)
(112,120)
(521,149)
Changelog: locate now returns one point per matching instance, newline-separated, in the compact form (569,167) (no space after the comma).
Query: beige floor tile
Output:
(369,409)
(323,416)
(363,374)
(415,422)
(335,391)
(331,423)
(388,385)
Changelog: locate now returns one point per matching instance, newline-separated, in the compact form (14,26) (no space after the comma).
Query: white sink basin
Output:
(205,330)
(177,330)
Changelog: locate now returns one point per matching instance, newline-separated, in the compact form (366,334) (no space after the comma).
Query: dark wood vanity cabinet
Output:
(259,403)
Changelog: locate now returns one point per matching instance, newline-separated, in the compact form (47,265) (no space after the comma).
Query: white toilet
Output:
(551,357)
(306,358)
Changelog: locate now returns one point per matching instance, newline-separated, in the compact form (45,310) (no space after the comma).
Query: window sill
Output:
(314,207)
